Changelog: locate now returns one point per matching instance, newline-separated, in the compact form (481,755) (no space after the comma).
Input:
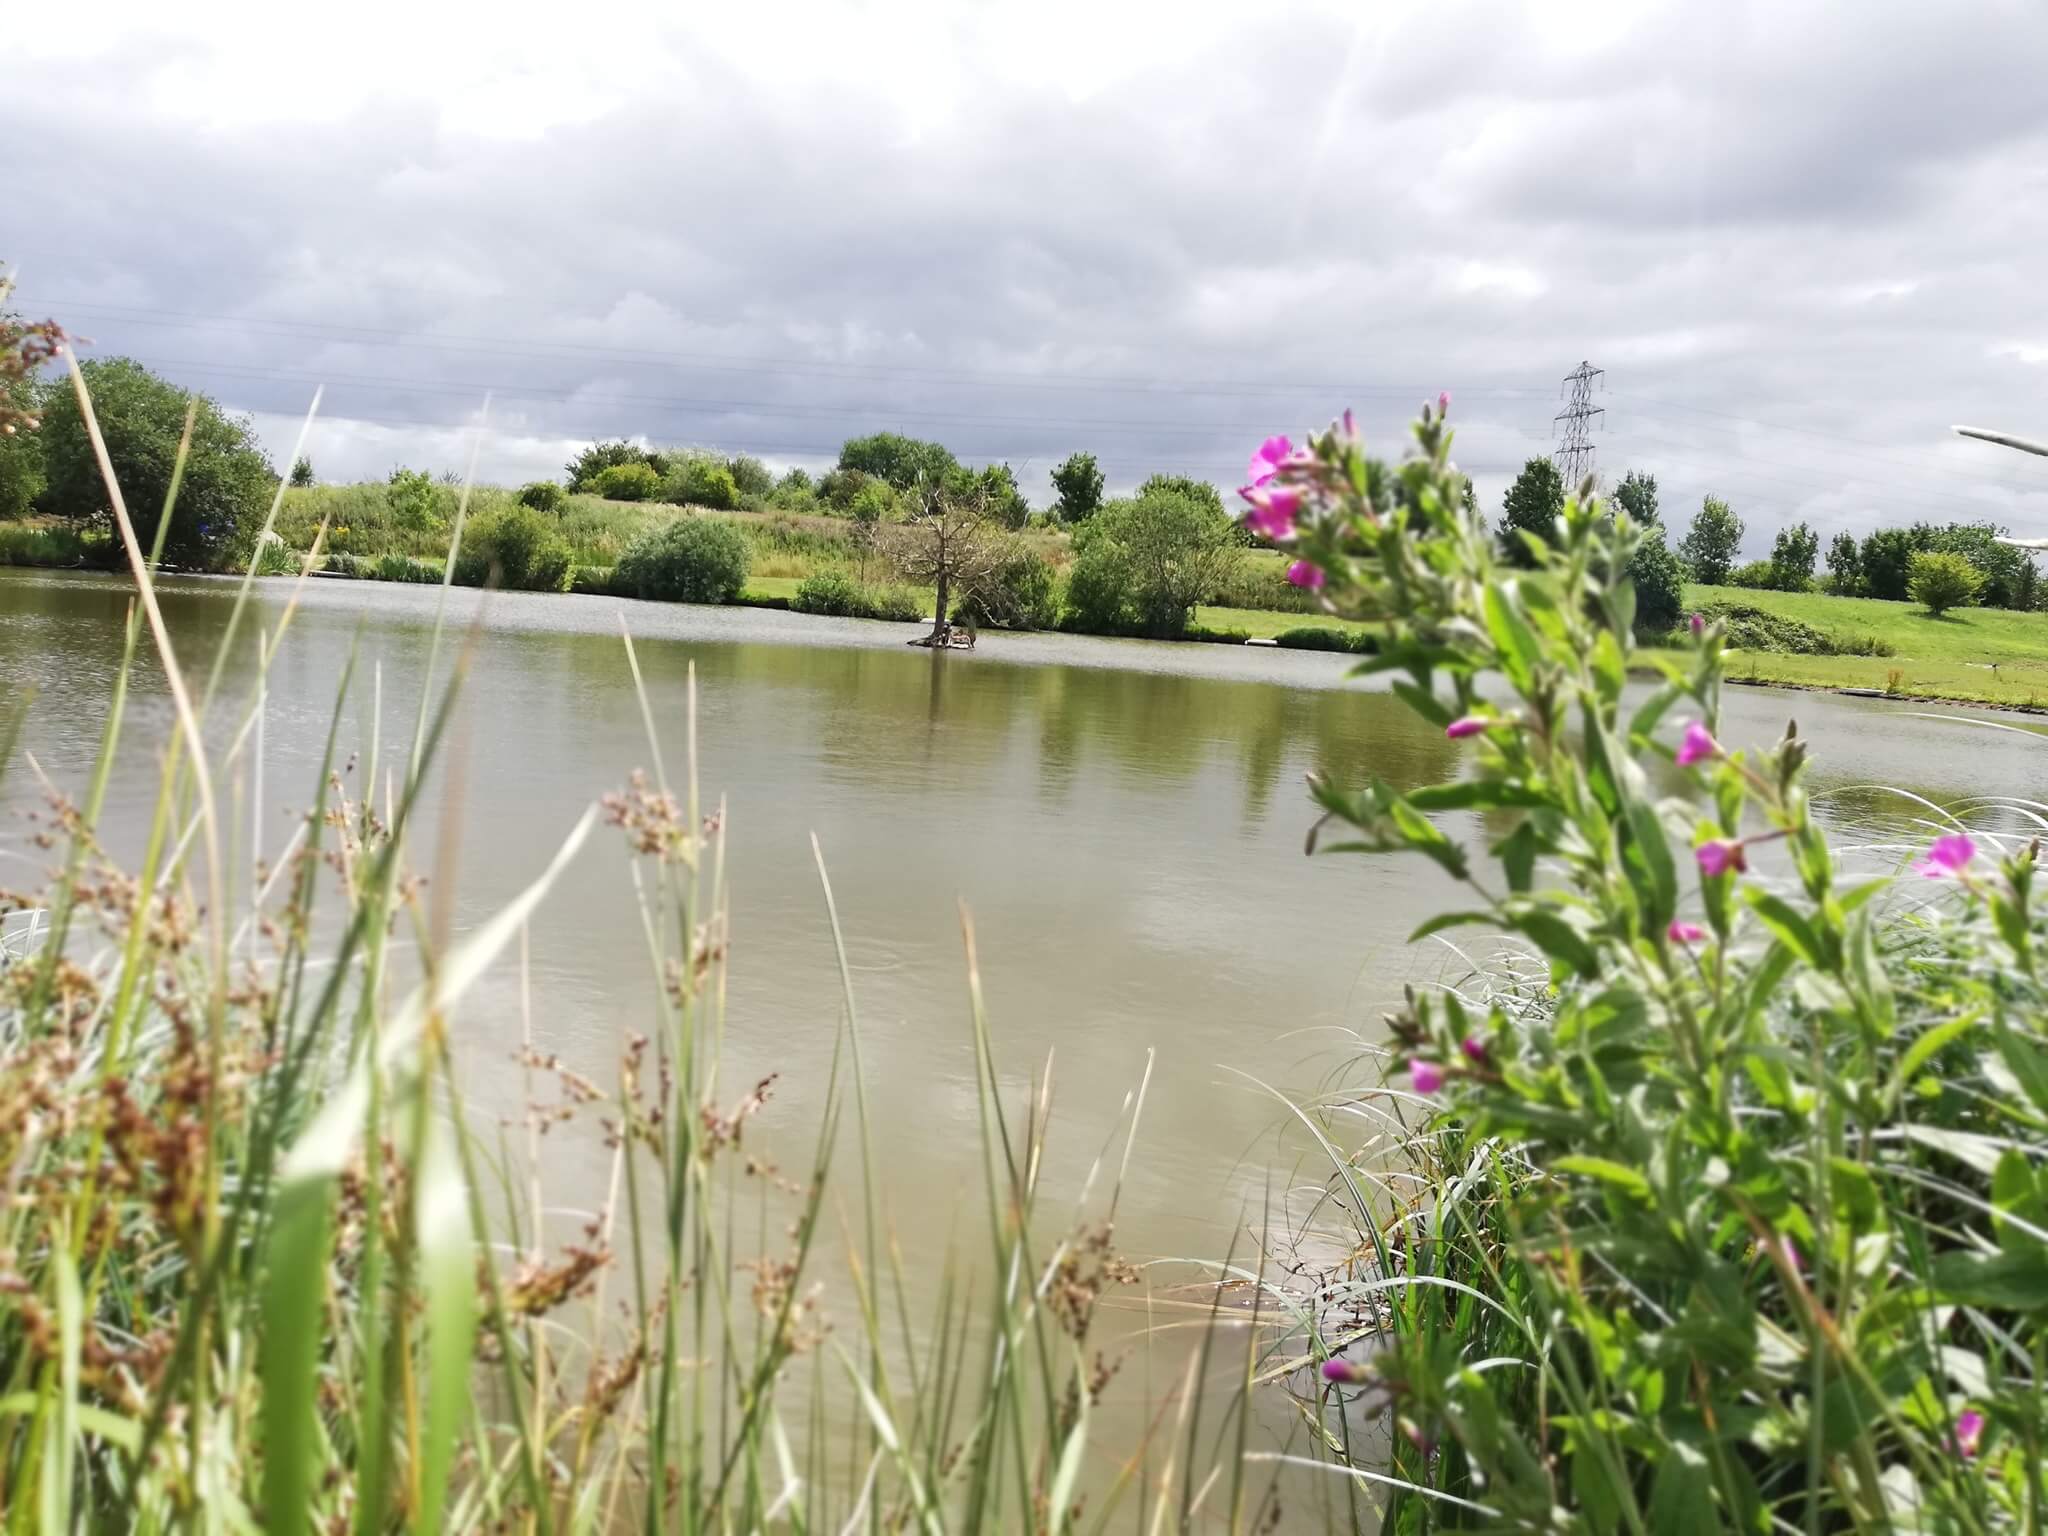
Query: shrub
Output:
(837,594)
(837,488)
(1940,580)
(1754,629)
(902,461)
(1757,576)
(700,482)
(1658,576)
(1020,592)
(1325,637)
(690,560)
(302,472)
(1166,549)
(543,496)
(227,483)
(1531,509)
(628,482)
(1792,557)
(416,503)
(525,547)
(1098,589)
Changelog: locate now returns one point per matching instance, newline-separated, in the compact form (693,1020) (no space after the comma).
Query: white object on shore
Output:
(1256,640)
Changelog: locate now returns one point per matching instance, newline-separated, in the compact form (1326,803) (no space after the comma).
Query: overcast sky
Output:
(1802,238)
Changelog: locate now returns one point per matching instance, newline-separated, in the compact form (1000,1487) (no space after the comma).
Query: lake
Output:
(1124,820)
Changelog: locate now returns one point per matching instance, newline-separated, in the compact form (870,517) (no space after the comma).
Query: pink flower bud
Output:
(1466,725)
(1426,1077)
(1699,625)
(1720,856)
(1684,933)
(1345,1372)
(1698,742)
(1948,855)
(1969,1431)
(1304,573)
(1443,403)
(1474,1049)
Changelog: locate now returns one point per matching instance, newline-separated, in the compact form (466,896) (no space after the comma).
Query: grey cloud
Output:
(1295,221)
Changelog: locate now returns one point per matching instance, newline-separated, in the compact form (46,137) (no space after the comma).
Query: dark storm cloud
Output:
(1802,244)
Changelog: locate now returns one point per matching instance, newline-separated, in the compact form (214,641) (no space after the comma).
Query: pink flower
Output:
(1443,402)
(1345,1372)
(1350,426)
(1474,1049)
(1720,856)
(1699,625)
(1684,933)
(1467,725)
(1969,1430)
(1304,573)
(1272,513)
(1947,856)
(1698,743)
(1266,462)
(1425,1076)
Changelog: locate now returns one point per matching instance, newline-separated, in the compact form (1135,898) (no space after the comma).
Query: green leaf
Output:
(1557,938)
(1682,1498)
(1423,701)
(1643,724)
(1520,651)
(1658,888)
(2016,1278)
(1929,1042)
(1619,1175)
(448,1278)
(1791,927)
(1445,920)
(1477,794)
(2027,1062)
(1517,853)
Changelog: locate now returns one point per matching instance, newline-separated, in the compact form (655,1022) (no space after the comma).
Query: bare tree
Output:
(952,542)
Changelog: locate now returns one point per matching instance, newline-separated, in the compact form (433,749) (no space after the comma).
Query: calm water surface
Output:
(1125,822)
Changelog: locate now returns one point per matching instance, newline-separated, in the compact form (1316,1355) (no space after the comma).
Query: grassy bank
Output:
(1975,655)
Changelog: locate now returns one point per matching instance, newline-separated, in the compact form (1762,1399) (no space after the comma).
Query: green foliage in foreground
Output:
(1732,1215)
(265,1269)
(691,560)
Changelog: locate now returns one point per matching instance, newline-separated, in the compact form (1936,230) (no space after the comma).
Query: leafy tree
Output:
(689,560)
(583,470)
(1845,565)
(1533,505)
(838,487)
(627,482)
(1079,484)
(1793,553)
(902,461)
(1200,491)
(698,481)
(794,482)
(1710,543)
(302,472)
(2004,568)
(227,484)
(1659,578)
(750,477)
(1757,576)
(1637,495)
(873,505)
(1143,564)
(1886,559)
(1940,579)
(543,496)
(1006,503)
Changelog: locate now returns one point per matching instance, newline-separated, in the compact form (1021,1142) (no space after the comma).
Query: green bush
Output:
(1757,576)
(582,472)
(750,478)
(1658,576)
(690,560)
(543,496)
(57,544)
(1940,580)
(838,594)
(628,482)
(700,482)
(902,461)
(1021,592)
(524,546)
(1323,637)
(1098,588)
(1143,564)
(416,503)
(227,483)
(1745,628)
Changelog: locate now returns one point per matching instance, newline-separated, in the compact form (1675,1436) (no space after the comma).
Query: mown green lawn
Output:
(1983,655)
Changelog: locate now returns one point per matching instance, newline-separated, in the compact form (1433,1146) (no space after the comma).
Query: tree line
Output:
(1941,565)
